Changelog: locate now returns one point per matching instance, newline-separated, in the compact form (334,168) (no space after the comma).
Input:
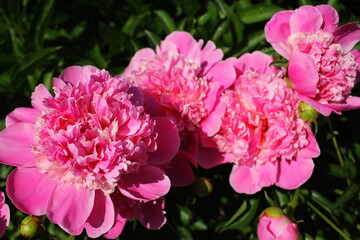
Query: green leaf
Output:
(258,13)
(248,215)
(153,39)
(167,20)
(349,193)
(132,22)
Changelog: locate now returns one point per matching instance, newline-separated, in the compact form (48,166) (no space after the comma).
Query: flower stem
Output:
(328,221)
(293,203)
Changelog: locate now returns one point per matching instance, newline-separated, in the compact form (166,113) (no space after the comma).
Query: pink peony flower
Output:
(322,65)
(79,147)
(183,81)
(275,225)
(256,126)
(4,215)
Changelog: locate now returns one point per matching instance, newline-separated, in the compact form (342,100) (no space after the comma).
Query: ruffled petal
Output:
(15,145)
(250,180)
(306,19)
(277,31)
(258,62)
(149,183)
(76,74)
(102,216)
(293,174)
(70,206)
(312,150)
(152,214)
(38,96)
(180,170)
(348,35)
(21,114)
(303,74)
(30,198)
(168,141)
(330,17)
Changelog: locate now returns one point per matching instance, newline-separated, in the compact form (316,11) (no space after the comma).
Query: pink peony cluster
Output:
(92,154)
(4,215)
(322,65)
(104,150)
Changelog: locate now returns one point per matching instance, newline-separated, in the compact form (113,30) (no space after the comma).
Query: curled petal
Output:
(293,174)
(306,19)
(303,74)
(38,97)
(149,183)
(76,74)
(330,17)
(259,62)
(21,114)
(348,35)
(117,228)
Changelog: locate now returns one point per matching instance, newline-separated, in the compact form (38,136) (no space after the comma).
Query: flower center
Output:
(91,133)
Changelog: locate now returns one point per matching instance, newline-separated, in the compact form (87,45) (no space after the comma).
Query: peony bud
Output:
(275,225)
(307,113)
(30,226)
(202,187)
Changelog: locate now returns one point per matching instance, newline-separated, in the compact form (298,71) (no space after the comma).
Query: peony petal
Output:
(293,174)
(330,17)
(102,216)
(306,19)
(210,55)
(21,114)
(75,74)
(264,230)
(312,150)
(144,53)
(222,73)
(118,227)
(70,206)
(185,42)
(152,214)
(149,183)
(211,125)
(16,145)
(356,54)
(347,36)
(349,104)
(212,96)
(4,218)
(250,180)
(38,96)
(277,31)
(210,157)
(321,108)
(168,141)
(303,74)
(31,199)
(180,170)
(259,62)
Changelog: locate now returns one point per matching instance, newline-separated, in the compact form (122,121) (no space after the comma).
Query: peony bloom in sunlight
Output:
(182,80)
(322,65)
(4,215)
(257,127)
(275,225)
(77,148)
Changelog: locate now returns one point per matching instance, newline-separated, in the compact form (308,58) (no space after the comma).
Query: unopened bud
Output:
(31,226)
(307,113)
(202,187)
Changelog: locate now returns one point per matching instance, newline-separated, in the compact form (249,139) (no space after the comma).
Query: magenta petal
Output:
(185,42)
(116,230)
(144,53)
(303,74)
(70,206)
(102,216)
(31,199)
(210,157)
(211,125)
(349,104)
(312,150)
(293,174)
(75,74)
(4,215)
(16,145)
(210,55)
(152,214)
(277,31)
(223,73)
(168,141)
(180,170)
(306,19)
(250,180)
(330,17)
(348,35)
(149,183)
(21,114)
(38,97)
(321,108)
